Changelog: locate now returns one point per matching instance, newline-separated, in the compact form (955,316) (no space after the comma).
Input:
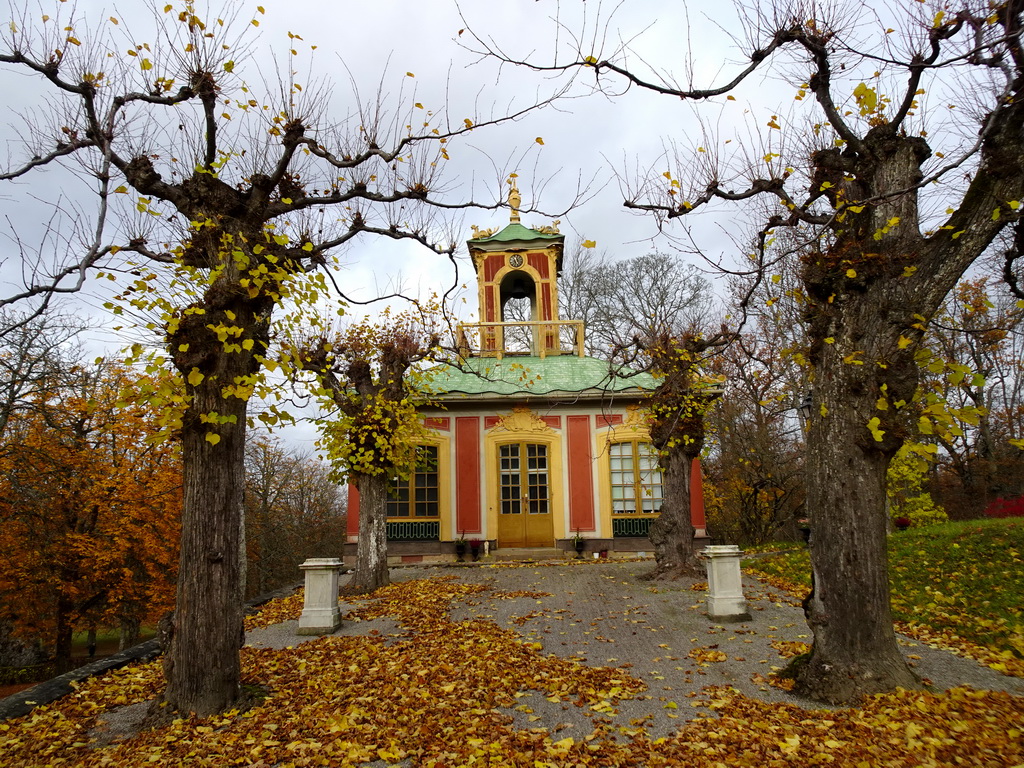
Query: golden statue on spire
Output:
(514,200)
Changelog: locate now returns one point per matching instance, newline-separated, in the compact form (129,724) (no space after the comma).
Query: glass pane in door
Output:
(509,480)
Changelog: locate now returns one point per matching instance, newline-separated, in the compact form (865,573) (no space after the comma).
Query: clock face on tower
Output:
(515,261)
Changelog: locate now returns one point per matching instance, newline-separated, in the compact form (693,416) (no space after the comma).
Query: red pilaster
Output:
(581,464)
(467,475)
(352,523)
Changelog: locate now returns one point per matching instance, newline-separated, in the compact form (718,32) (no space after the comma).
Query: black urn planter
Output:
(460,549)
(579,545)
(474,550)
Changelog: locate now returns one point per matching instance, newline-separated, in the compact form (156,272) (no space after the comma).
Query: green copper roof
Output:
(535,376)
(515,232)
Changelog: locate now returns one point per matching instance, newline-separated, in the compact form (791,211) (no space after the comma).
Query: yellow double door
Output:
(524,496)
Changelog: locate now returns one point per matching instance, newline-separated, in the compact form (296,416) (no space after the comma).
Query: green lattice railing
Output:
(414,530)
(631,527)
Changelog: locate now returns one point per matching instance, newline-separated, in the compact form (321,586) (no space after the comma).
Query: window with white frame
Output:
(635,478)
(418,496)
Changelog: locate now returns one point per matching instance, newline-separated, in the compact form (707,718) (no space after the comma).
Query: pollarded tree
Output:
(676,412)
(366,382)
(222,200)
(911,164)
(641,313)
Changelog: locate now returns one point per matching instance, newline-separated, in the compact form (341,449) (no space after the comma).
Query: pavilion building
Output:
(530,442)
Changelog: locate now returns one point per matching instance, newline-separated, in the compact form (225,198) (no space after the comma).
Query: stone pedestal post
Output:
(725,584)
(320,612)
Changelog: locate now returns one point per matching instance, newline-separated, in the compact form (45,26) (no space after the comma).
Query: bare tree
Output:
(217,204)
(644,296)
(293,511)
(32,352)
(976,371)
(901,194)
(757,462)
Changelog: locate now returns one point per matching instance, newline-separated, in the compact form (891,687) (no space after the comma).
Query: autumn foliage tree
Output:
(90,506)
(891,201)
(220,202)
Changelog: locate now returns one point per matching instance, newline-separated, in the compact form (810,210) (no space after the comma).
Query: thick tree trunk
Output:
(371,570)
(672,533)
(207,631)
(855,650)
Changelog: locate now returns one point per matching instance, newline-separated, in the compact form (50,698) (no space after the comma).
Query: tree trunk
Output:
(207,631)
(65,630)
(128,632)
(672,533)
(372,548)
(855,650)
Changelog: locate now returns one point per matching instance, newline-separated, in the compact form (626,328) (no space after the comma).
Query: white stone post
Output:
(725,583)
(320,612)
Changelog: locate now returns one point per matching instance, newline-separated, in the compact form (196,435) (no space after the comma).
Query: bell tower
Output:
(518,263)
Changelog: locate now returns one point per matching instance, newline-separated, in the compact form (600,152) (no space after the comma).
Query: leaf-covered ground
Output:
(440,693)
(957,586)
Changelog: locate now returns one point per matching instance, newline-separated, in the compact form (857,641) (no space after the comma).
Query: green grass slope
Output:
(953,580)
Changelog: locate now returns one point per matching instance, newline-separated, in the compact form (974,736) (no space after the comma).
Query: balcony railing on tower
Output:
(538,338)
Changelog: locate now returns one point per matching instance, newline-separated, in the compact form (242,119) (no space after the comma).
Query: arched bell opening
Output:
(518,301)
(519,288)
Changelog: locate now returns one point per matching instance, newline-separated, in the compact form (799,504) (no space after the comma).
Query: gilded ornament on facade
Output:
(522,420)
(636,417)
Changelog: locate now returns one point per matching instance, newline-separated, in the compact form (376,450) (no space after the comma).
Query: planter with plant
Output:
(579,544)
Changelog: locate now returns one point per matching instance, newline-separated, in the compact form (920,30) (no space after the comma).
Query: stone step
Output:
(529,553)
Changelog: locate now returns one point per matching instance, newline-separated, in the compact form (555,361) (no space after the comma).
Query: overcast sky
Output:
(591,142)
(588,141)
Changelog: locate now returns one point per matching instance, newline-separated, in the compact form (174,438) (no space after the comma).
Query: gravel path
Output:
(603,615)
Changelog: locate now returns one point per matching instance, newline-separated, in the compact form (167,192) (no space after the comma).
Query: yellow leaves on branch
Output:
(866,98)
